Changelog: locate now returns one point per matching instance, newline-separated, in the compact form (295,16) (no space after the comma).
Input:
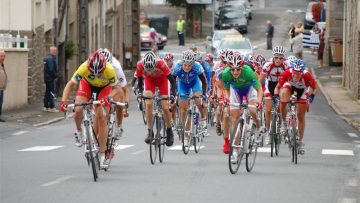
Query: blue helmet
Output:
(298,65)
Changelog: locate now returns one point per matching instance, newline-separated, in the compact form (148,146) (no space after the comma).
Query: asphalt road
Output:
(58,172)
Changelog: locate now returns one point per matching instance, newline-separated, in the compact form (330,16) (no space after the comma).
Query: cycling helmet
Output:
(198,56)
(168,56)
(235,60)
(188,57)
(298,65)
(149,61)
(260,60)
(107,54)
(96,63)
(247,57)
(291,58)
(279,50)
(222,55)
(194,48)
(210,57)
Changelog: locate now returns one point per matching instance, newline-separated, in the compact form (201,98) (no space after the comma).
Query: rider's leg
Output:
(301,109)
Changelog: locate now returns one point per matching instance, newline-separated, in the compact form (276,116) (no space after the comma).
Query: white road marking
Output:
(353,182)
(59,180)
(20,132)
(44,127)
(138,152)
(353,135)
(264,149)
(119,147)
(337,152)
(259,45)
(289,11)
(299,11)
(40,148)
(358,146)
(356,141)
(347,200)
(179,147)
(261,3)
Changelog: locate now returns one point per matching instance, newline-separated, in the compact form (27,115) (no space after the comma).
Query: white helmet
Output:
(149,61)
(279,50)
(107,54)
(291,58)
(188,57)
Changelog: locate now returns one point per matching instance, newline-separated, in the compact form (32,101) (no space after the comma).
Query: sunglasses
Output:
(236,69)
(278,58)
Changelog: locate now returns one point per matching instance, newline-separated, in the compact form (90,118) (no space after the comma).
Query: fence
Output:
(7,41)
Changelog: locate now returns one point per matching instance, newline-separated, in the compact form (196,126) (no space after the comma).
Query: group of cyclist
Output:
(234,78)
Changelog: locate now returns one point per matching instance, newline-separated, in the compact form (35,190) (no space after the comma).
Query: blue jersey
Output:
(187,77)
(208,73)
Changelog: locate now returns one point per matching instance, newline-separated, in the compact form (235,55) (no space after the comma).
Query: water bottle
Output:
(196,118)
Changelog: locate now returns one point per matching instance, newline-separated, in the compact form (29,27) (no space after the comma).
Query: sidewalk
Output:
(329,80)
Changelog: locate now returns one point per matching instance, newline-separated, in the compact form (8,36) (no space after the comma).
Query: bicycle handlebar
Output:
(243,105)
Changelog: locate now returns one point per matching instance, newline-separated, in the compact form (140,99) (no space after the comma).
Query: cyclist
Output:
(240,81)
(154,72)
(298,80)
(121,96)
(93,76)
(271,71)
(169,59)
(191,79)
(210,59)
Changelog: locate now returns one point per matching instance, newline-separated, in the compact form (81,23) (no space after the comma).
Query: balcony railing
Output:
(7,41)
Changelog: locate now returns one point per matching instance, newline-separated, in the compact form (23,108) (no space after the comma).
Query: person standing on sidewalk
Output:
(291,34)
(269,34)
(180,28)
(50,76)
(298,46)
(3,81)
(321,48)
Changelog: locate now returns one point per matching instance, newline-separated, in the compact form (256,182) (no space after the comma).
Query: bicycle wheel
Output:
(186,146)
(293,145)
(92,155)
(162,138)
(296,145)
(153,144)
(272,134)
(197,138)
(277,137)
(235,147)
(252,150)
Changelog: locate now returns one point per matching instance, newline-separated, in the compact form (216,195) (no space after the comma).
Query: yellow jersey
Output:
(108,77)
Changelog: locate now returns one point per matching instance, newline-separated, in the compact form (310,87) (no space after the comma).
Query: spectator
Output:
(269,34)
(291,34)
(50,76)
(317,31)
(299,27)
(298,46)
(180,28)
(154,40)
(321,48)
(3,81)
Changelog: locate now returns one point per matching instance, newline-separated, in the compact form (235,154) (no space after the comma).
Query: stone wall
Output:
(37,53)
(351,68)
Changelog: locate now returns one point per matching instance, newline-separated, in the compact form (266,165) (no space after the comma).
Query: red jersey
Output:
(160,71)
(306,80)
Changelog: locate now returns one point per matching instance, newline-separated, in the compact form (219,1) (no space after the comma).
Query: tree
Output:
(193,11)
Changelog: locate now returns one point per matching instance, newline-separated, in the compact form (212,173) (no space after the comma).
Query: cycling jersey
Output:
(208,74)
(273,72)
(119,72)
(246,78)
(107,77)
(187,77)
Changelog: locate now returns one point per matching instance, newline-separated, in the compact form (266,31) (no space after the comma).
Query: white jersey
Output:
(273,72)
(119,72)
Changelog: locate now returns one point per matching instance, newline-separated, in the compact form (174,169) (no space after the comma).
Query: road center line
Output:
(356,141)
(59,180)
(20,132)
(337,152)
(352,182)
(347,200)
(138,152)
(353,135)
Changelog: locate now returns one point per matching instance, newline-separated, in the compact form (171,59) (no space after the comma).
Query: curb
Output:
(349,121)
(54,120)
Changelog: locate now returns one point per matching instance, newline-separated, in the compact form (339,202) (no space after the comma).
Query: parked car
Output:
(240,3)
(238,7)
(145,39)
(233,19)
(243,45)
(309,21)
(212,43)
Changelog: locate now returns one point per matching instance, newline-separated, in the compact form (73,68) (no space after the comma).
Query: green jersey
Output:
(245,79)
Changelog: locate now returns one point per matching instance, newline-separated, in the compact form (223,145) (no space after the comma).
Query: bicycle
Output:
(111,142)
(242,140)
(157,143)
(274,131)
(211,112)
(292,135)
(141,104)
(260,113)
(196,135)
(90,141)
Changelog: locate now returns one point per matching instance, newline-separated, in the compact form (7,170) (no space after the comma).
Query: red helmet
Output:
(168,56)
(96,63)
(235,60)
(209,56)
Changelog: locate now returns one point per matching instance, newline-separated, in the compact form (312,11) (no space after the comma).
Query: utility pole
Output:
(213,17)
(101,30)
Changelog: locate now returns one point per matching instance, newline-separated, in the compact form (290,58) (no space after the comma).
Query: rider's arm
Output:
(68,88)
(133,82)
(172,80)
(140,84)
(204,83)
(126,94)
